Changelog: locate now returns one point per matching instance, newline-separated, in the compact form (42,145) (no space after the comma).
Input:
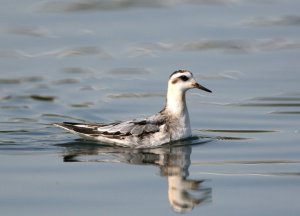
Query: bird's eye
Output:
(184,78)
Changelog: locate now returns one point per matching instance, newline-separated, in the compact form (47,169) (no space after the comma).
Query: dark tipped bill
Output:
(198,86)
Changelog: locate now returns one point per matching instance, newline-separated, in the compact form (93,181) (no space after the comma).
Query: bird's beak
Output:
(198,86)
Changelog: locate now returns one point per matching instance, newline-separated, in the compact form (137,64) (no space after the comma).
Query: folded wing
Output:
(139,127)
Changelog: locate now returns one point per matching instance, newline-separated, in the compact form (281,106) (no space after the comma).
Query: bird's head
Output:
(183,80)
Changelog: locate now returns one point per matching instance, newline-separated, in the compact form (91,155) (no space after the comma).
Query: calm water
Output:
(102,61)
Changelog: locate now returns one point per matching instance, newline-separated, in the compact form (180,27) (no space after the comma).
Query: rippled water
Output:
(102,61)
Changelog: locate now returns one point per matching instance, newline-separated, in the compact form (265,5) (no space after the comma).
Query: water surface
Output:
(102,61)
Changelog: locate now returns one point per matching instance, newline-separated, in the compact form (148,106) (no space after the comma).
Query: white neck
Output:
(177,109)
(176,104)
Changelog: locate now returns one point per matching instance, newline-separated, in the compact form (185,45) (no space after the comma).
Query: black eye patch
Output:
(183,78)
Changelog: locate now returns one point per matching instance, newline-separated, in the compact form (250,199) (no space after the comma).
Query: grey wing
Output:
(87,129)
(137,127)
(91,130)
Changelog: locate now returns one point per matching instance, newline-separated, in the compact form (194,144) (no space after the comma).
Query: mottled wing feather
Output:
(137,130)
(80,128)
(150,128)
(139,127)
(134,127)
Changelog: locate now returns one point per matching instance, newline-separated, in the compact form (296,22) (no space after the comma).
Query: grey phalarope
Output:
(170,124)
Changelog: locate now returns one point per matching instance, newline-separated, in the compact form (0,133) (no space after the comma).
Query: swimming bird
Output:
(172,123)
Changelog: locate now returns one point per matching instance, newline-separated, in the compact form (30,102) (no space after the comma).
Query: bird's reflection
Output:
(174,161)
